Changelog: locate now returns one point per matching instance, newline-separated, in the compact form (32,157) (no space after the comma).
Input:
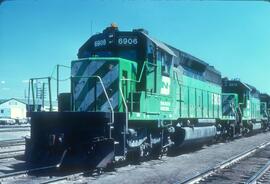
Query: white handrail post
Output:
(111,107)
(125,104)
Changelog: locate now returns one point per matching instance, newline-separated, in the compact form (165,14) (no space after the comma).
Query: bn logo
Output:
(166,83)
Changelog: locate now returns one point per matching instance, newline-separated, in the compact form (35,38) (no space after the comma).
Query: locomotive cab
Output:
(144,73)
(249,103)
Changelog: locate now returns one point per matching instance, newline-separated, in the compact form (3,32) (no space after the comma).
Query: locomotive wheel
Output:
(157,152)
(133,156)
(232,131)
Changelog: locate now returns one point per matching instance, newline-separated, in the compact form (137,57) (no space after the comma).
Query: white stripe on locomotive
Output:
(107,80)
(114,101)
(89,71)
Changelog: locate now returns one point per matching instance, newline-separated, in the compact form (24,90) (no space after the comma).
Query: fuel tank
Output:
(185,136)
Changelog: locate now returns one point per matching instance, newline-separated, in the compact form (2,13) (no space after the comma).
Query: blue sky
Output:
(36,35)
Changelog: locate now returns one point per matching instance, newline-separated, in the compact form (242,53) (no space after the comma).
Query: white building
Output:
(13,108)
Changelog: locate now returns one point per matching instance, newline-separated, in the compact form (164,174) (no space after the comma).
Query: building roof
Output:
(25,101)
(2,101)
(6,100)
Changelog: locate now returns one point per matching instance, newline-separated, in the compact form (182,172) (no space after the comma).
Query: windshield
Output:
(129,54)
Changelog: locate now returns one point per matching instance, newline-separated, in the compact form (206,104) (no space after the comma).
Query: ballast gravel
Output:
(176,169)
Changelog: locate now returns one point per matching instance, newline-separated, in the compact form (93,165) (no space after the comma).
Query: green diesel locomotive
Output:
(134,95)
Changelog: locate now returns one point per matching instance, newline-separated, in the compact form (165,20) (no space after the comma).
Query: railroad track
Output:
(64,178)
(33,175)
(47,174)
(25,175)
(11,148)
(14,126)
(74,177)
(12,142)
(11,154)
(210,176)
(15,129)
(42,175)
(238,169)
(262,176)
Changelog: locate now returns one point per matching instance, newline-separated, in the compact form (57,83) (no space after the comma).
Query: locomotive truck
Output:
(132,94)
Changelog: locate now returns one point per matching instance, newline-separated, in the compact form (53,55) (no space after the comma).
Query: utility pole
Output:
(57,81)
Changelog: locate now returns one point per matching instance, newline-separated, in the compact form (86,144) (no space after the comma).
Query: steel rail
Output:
(11,151)
(230,161)
(69,177)
(64,178)
(14,126)
(12,142)
(11,154)
(259,174)
(15,130)
(24,172)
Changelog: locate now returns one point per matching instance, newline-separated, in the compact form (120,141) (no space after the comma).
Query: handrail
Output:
(178,81)
(125,104)
(140,78)
(106,94)
(57,77)
(31,83)
(131,80)
(135,81)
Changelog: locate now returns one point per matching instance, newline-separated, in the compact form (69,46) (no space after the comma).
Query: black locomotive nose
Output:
(52,140)
(56,139)
(74,138)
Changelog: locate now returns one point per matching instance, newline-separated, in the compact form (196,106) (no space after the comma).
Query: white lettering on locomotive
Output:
(100,43)
(165,106)
(127,41)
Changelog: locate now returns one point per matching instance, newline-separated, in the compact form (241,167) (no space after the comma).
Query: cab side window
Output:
(166,61)
(159,55)
(150,52)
